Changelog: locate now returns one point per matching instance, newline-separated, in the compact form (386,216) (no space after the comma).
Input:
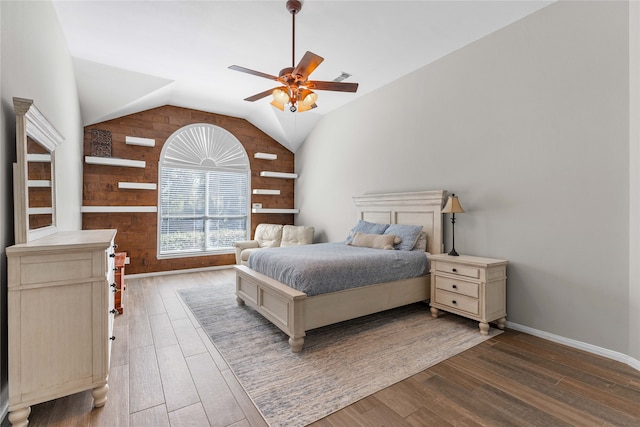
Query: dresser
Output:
(470,286)
(60,318)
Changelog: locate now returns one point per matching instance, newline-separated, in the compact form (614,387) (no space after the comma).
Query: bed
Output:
(295,312)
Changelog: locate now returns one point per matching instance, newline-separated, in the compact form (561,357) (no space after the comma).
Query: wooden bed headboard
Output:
(415,208)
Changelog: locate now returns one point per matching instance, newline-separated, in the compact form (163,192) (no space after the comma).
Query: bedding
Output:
(329,267)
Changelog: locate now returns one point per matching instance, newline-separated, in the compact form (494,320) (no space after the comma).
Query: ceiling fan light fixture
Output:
(281,95)
(296,88)
(302,108)
(308,97)
(278,105)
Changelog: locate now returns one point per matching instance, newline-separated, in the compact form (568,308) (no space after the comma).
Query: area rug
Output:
(339,365)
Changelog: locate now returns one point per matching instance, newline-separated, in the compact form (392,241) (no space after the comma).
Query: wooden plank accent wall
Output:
(137,232)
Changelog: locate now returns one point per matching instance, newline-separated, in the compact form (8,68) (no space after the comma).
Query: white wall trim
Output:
(285,175)
(144,142)
(114,161)
(137,185)
(610,354)
(39,158)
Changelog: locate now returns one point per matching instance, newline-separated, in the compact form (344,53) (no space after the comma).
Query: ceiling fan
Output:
(295,88)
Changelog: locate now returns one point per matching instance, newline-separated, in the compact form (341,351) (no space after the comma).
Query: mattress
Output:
(330,267)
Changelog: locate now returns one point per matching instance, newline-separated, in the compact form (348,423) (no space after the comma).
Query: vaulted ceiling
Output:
(130,56)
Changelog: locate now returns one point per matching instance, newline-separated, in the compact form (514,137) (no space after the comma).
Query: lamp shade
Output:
(308,97)
(452,205)
(281,95)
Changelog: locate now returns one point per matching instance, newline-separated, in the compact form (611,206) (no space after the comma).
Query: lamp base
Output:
(453,253)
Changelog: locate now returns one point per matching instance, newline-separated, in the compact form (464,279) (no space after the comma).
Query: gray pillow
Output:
(366,227)
(408,233)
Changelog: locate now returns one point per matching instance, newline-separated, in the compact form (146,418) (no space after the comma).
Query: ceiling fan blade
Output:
(253,72)
(261,94)
(335,86)
(307,64)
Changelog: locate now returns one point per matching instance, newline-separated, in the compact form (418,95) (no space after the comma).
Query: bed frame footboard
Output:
(281,305)
(295,313)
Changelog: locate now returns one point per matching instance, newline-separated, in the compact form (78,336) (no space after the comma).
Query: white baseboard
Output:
(610,354)
(165,273)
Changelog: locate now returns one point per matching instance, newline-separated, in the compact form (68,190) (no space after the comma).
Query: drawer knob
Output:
(115,246)
(115,290)
(113,311)
(454,286)
(454,302)
(112,255)
(454,270)
(112,338)
(113,285)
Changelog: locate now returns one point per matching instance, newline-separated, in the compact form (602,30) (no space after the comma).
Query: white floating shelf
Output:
(38,183)
(135,140)
(265,156)
(113,161)
(285,175)
(40,211)
(42,158)
(137,185)
(118,209)
(284,211)
(268,192)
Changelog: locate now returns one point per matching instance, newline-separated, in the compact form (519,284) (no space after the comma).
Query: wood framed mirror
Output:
(34,188)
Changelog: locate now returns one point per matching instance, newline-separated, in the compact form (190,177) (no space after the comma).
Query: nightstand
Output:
(470,286)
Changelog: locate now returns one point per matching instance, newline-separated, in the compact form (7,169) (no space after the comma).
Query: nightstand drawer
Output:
(461,270)
(457,286)
(460,302)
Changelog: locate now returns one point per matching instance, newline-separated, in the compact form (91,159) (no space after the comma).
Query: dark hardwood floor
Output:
(165,372)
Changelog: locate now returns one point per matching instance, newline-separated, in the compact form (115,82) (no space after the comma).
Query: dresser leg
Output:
(501,322)
(434,312)
(296,344)
(484,328)
(100,395)
(20,417)
(239,301)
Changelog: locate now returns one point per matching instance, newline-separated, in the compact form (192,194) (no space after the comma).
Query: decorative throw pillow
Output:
(367,227)
(375,241)
(421,243)
(408,233)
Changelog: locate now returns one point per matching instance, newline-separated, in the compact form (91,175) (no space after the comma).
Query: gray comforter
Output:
(329,267)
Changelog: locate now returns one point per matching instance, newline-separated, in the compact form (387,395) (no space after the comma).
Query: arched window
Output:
(204,192)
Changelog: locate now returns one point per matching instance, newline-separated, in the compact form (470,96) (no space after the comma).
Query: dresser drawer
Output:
(461,270)
(457,286)
(460,302)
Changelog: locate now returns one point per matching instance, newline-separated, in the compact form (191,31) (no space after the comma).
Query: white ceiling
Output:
(131,56)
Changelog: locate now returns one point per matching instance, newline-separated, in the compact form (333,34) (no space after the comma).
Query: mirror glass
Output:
(33,173)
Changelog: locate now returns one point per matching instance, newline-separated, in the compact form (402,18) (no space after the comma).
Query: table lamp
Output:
(453,207)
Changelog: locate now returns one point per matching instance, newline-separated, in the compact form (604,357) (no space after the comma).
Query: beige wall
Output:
(530,127)
(36,64)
